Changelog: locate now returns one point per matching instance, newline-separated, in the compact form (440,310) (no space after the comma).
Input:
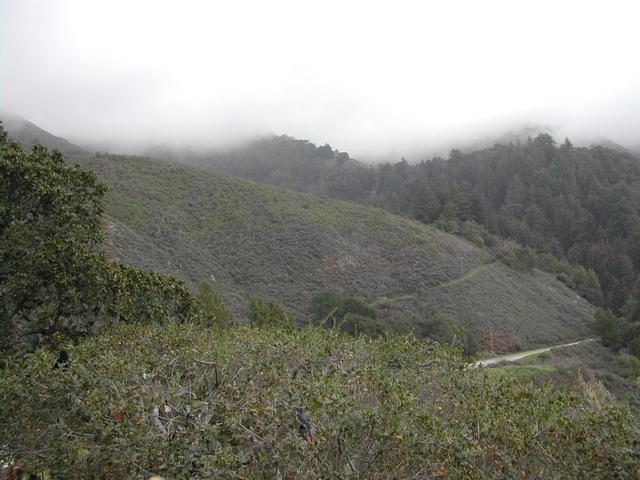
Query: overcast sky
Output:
(368,77)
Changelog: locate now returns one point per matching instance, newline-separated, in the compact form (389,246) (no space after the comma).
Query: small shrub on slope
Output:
(270,313)
(331,306)
(214,310)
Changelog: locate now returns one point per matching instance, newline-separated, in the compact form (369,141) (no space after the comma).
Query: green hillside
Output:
(579,204)
(254,239)
(130,376)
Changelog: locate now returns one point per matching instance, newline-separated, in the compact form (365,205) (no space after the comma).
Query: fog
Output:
(371,78)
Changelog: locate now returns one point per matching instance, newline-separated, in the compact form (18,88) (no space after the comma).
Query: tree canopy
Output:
(54,278)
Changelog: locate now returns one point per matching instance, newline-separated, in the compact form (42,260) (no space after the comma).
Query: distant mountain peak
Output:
(29,134)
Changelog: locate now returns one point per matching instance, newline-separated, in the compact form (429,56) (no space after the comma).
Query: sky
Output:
(371,78)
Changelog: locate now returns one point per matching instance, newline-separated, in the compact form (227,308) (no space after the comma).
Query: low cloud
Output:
(375,80)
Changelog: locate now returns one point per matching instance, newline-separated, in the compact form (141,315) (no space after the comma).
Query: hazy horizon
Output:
(372,79)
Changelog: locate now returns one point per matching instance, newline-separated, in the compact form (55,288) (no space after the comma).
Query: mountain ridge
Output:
(29,134)
(260,240)
(255,239)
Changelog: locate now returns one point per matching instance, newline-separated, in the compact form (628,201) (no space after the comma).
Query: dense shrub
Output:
(49,233)
(356,324)
(609,328)
(443,328)
(132,295)
(467,229)
(583,280)
(617,333)
(270,313)
(587,284)
(54,280)
(331,307)
(214,309)
(628,366)
(186,402)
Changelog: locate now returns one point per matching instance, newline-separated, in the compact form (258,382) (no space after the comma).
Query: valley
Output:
(308,241)
(192,376)
(273,243)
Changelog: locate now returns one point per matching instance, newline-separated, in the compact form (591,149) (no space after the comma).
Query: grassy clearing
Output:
(590,361)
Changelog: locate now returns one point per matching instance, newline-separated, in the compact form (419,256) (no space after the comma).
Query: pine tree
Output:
(426,207)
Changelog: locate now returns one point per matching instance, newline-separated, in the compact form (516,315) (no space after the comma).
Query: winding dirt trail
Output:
(487,362)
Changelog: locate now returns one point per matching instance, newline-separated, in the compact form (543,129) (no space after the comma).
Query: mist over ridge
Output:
(381,83)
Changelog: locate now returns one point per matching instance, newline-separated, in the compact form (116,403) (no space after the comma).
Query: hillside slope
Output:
(253,239)
(284,161)
(29,134)
(577,203)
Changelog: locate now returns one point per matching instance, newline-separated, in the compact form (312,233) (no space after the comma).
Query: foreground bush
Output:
(54,278)
(185,402)
(270,313)
(50,231)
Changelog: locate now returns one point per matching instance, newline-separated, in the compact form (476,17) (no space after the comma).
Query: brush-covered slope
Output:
(253,239)
(186,401)
(582,204)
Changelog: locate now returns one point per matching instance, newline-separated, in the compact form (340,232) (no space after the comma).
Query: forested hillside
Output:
(277,160)
(253,239)
(190,288)
(578,203)
(129,375)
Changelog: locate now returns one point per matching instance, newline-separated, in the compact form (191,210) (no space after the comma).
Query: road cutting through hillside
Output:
(487,362)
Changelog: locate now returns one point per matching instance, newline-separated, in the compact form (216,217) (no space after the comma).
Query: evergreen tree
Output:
(426,207)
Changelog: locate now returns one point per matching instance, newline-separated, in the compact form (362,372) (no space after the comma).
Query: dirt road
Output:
(487,362)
